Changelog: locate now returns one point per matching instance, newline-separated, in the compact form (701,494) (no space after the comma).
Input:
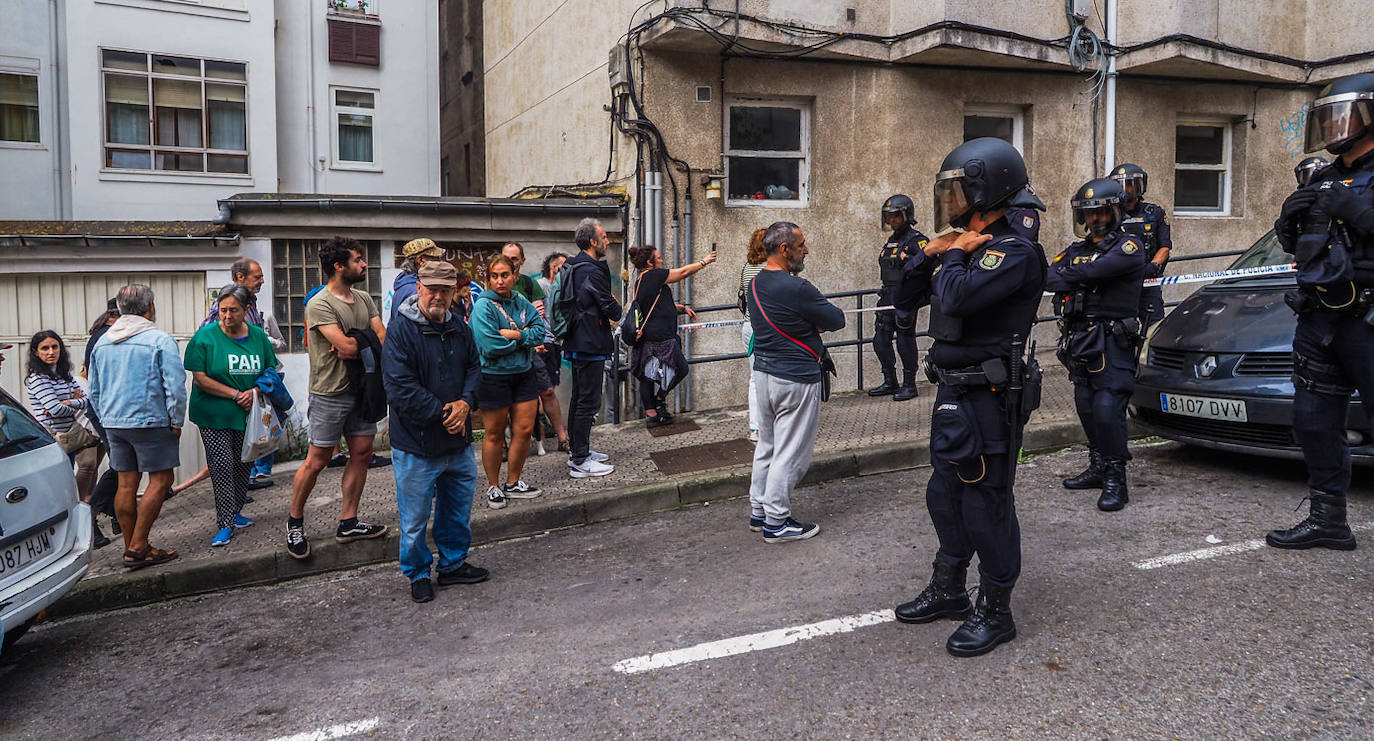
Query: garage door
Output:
(68,303)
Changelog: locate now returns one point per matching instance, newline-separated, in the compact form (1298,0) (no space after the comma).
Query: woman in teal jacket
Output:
(507,329)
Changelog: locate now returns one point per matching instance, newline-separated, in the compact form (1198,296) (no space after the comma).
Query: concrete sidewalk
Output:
(703,457)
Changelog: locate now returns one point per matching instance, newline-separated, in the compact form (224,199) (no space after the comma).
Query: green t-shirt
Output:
(234,363)
(528,286)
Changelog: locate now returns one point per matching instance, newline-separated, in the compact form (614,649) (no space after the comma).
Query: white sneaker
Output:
(592,455)
(588,469)
(753,435)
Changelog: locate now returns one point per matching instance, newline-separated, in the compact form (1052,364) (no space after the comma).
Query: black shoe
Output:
(662,411)
(378,462)
(98,539)
(465,574)
(888,388)
(1090,477)
(115,529)
(256,484)
(944,597)
(905,393)
(1325,526)
(657,421)
(357,530)
(337,461)
(421,591)
(1114,492)
(989,626)
(248,499)
(296,543)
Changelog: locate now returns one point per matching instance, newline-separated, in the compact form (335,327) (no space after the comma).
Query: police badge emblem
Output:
(1027,222)
(992,259)
(1129,247)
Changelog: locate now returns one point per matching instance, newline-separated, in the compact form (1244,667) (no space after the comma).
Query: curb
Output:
(132,589)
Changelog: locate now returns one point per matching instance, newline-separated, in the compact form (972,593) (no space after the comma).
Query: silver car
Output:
(45,532)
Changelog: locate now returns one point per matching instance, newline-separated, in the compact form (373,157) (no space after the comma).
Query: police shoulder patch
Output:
(992,259)
(1027,221)
(1129,246)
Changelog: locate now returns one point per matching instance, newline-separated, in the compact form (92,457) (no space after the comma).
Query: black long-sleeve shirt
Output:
(779,303)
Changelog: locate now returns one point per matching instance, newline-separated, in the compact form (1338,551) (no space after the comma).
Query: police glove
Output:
(1154,269)
(1348,206)
(1289,224)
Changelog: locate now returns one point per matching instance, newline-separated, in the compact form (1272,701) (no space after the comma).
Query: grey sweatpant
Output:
(789,413)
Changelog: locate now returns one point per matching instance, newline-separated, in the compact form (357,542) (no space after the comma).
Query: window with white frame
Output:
(1007,123)
(767,150)
(354,116)
(173,113)
(1202,168)
(18,107)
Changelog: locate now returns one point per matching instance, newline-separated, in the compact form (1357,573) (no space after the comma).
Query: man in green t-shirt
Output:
(335,409)
(528,286)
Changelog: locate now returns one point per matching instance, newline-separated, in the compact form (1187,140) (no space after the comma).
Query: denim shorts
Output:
(334,417)
(144,449)
(499,390)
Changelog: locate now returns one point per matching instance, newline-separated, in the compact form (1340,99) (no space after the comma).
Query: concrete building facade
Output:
(815,112)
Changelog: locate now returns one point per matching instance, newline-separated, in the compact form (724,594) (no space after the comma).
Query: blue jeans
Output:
(263,466)
(444,484)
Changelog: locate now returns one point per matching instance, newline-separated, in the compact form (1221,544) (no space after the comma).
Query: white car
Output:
(45,532)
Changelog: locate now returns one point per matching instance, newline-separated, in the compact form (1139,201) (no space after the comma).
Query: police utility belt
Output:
(1343,300)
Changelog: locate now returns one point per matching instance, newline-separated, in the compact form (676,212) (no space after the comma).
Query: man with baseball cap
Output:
(414,255)
(431,369)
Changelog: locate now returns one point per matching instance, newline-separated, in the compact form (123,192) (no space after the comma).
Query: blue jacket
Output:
(589,327)
(136,377)
(402,289)
(425,366)
(502,356)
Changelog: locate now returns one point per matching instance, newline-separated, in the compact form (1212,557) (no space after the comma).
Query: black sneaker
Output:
(465,574)
(379,461)
(790,529)
(421,590)
(520,490)
(255,484)
(359,530)
(658,421)
(337,461)
(296,544)
(496,499)
(756,523)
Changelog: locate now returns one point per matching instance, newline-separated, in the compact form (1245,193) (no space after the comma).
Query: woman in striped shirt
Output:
(56,398)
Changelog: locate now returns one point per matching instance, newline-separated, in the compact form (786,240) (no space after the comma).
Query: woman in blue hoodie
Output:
(506,328)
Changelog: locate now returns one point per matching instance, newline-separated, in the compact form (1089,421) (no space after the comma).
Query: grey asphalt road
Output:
(1255,642)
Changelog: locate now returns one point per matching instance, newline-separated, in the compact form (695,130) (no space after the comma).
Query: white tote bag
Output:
(263,430)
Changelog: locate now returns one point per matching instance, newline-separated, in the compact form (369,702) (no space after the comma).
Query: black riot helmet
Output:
(1134,175)
(1098,198)
(1307,168)
(1342,114)
(899,204)
(980,175)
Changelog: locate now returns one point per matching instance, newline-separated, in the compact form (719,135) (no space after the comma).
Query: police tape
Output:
(1169,280)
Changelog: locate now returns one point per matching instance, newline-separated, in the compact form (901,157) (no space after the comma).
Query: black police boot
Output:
(1090,477)
(989,625)
(944,597)
(889,386)
(1325,526)
(908,389)
(1114,493)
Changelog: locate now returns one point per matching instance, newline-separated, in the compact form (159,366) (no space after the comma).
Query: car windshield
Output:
(1265,251)
(19,431)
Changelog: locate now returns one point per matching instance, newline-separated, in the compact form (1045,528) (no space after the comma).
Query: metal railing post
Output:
(859,348)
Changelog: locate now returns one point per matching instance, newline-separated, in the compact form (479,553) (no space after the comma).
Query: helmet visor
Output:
(1305,170)
(1095,218)
(1341,119)
(952,208)
(1131,182)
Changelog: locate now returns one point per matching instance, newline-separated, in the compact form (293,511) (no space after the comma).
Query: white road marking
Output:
(1175,559)
(340,731)
(754,642)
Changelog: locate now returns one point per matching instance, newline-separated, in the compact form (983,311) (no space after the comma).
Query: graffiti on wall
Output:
(1294,127)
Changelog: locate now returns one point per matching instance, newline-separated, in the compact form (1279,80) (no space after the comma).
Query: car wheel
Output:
(15,633)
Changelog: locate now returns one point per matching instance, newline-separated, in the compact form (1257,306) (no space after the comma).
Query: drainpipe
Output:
(62,206)
(685,401)
(310,96)
(1109,146)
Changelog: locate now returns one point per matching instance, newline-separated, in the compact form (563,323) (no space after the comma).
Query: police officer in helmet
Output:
(902,290)
(1150,225)
(1308,167)
(1097,299)
(986,279)
(1328,225)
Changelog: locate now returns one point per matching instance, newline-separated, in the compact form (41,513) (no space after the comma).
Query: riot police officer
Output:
(1308,167)
(903,291)
(1097,298)
(1150,225)
(986,282)
(1328,225)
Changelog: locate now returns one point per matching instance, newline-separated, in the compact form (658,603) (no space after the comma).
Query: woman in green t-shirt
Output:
(225,360)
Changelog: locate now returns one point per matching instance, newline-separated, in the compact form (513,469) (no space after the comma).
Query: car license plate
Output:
(1231,410)
(26,552)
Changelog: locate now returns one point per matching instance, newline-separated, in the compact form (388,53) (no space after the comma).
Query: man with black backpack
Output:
(788,315)
(582,312)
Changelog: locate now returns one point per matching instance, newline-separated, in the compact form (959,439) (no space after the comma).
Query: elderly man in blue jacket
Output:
(430,369)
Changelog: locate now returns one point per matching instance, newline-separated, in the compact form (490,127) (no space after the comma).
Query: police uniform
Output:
(1150,226)
(1097,296)
(1026,222)
(898,263)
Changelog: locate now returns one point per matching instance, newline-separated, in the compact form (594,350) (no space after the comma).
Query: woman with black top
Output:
(656,358)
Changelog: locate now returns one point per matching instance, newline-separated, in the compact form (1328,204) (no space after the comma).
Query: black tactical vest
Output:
(1117,298)
(1144,226)
(998,323)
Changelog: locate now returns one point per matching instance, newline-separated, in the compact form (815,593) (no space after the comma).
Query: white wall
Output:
(406,125)
(202,31)
(28,172)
